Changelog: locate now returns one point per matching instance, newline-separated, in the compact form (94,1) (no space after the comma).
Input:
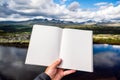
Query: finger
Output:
(56,63)
(69,72)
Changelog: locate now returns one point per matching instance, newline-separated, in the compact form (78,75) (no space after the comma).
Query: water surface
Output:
(106,64)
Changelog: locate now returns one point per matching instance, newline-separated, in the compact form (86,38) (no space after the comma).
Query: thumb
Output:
(56,63)
(69,72)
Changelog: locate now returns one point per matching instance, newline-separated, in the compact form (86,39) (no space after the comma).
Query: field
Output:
(19,35)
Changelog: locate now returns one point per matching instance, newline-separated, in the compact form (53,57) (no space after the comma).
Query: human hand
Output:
(57,73)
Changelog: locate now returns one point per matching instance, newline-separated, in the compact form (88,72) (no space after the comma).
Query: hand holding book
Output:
(57,73)
(73,46)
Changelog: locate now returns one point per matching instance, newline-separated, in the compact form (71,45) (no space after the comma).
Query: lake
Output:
(106,64)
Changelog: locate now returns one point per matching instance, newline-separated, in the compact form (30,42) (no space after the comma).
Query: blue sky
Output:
(68,10)
(86,3)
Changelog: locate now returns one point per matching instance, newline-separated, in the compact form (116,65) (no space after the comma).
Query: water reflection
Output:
(12,65)
(106,55)
(106,64)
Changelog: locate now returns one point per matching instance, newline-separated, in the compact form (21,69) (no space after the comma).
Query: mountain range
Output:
(57,22)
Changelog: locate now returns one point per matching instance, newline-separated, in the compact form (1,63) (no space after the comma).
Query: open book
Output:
(73,46)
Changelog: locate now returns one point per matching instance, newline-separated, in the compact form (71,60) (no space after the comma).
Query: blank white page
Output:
(76,50)
(44,45)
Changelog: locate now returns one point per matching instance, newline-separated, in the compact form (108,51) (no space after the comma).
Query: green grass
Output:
(97,29)
(19,39)
(107,39)
(19,35)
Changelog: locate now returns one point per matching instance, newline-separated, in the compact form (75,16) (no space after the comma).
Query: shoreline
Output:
(15,44)
(22,39)
(26,44)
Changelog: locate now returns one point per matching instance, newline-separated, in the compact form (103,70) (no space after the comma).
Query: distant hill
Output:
(60,23)
(23,26)
(37,21)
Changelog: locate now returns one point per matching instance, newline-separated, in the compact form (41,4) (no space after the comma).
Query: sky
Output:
(67,10)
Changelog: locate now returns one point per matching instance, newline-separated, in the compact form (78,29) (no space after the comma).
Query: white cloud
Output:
(27,9)
(15,17)
(64,0)
(109,12)
(101,3)
(18,5)
(74,6)
(39,7)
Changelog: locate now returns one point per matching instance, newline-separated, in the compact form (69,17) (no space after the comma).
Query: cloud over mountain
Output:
(27,9)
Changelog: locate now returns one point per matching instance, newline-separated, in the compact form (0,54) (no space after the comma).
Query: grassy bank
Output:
(15,39)
(16,44)
(24,41)
(107,39)
(19,35)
